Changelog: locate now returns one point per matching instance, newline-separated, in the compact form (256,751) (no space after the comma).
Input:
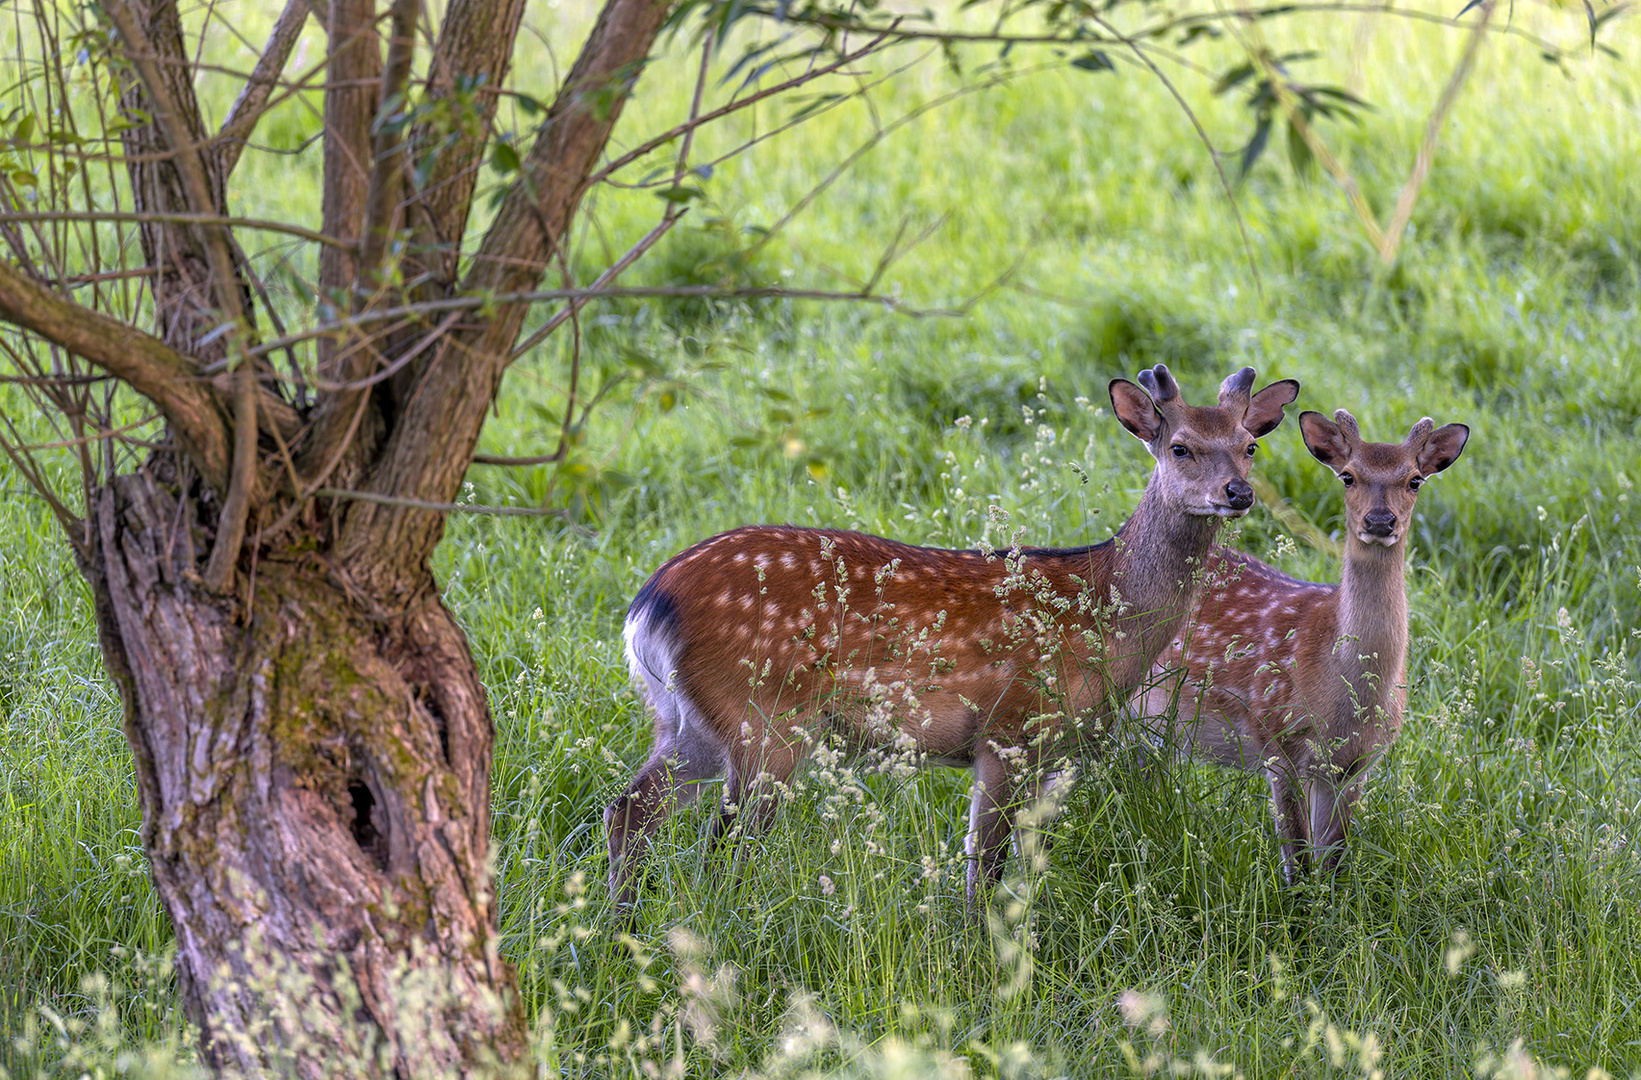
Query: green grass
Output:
(1490,899)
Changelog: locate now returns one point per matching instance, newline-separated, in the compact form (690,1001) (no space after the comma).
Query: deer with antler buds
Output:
(752,644)
(1302,681)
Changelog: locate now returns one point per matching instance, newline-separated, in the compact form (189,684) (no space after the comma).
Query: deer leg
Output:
(1292,823)
(683,756)
(1332,803)
(990,819)
(759,768)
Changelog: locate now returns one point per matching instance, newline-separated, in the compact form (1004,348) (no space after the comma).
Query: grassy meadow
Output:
(1488,918)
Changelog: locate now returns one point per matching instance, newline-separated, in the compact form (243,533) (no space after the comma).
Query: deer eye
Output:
(1415,482)
(1347,479)
(1251,448)
(1180,451)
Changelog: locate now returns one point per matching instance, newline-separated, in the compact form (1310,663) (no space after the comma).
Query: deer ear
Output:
(1265,408)
(1324,440)
(1135,411)
(1443,448)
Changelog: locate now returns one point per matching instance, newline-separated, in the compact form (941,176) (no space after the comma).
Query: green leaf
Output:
(1234,78)
(819,101)
(504,158)
(1095,61)
(679,194)
(1611,13)
(643,361)
(1256,145)
(1299,151)
(25,126)
(24,178)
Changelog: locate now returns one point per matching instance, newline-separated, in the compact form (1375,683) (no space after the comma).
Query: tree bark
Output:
(315,791)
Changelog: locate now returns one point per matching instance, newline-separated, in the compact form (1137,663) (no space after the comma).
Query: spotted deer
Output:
(751,645)
(1303,681)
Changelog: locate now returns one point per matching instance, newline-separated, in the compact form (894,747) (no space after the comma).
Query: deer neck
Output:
(1373,609)
(1159,558)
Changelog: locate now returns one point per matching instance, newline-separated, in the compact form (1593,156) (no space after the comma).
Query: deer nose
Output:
(1379,522)
(1240,493)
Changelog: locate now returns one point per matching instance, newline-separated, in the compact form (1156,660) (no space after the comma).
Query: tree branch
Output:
(428,451)
(253,98)
(354,77)
(1391,241)
(196,185)
(148,365)
(386,186)
(146,217)
(335,422)
(236,504)
(475,44)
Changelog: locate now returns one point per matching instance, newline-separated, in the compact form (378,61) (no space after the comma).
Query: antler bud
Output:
(1235,390)
(1159,384)
(1348,428)
(1420,434)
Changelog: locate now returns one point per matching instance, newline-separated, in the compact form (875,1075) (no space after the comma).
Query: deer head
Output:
(1381,480)
(1203,453)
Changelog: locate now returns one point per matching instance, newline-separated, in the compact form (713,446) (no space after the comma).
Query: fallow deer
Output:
(752,644)
(1307,682)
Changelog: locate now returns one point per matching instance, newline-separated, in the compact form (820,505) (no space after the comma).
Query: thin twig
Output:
(145,217)
(515,462)
(471,303)
(82,440)
(1213,154)
(392,369)
(603,281)
(70,521)
(440,507)
(665,137)
(1390,243)
(303,496)
(252,102)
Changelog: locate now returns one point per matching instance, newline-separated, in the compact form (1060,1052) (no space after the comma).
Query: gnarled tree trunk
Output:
(312,741)
(315,788)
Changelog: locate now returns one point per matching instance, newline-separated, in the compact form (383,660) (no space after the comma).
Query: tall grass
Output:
(1486,921)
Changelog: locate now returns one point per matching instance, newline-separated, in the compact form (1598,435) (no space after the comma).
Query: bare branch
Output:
(1207,143)
(386,185)
(475,44)
(603,282)
(649,145)
(196,185)
(438,426)
(354,70)
(72,524)
(384,192)
(151,367)
(253,98)
(236,508)
(1391,241)
(582,296)
(219,571)
(516,462)
(442,507)
(180,218)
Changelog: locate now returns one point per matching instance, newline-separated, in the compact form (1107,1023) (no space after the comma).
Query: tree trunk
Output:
(312,741)
(316,809)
